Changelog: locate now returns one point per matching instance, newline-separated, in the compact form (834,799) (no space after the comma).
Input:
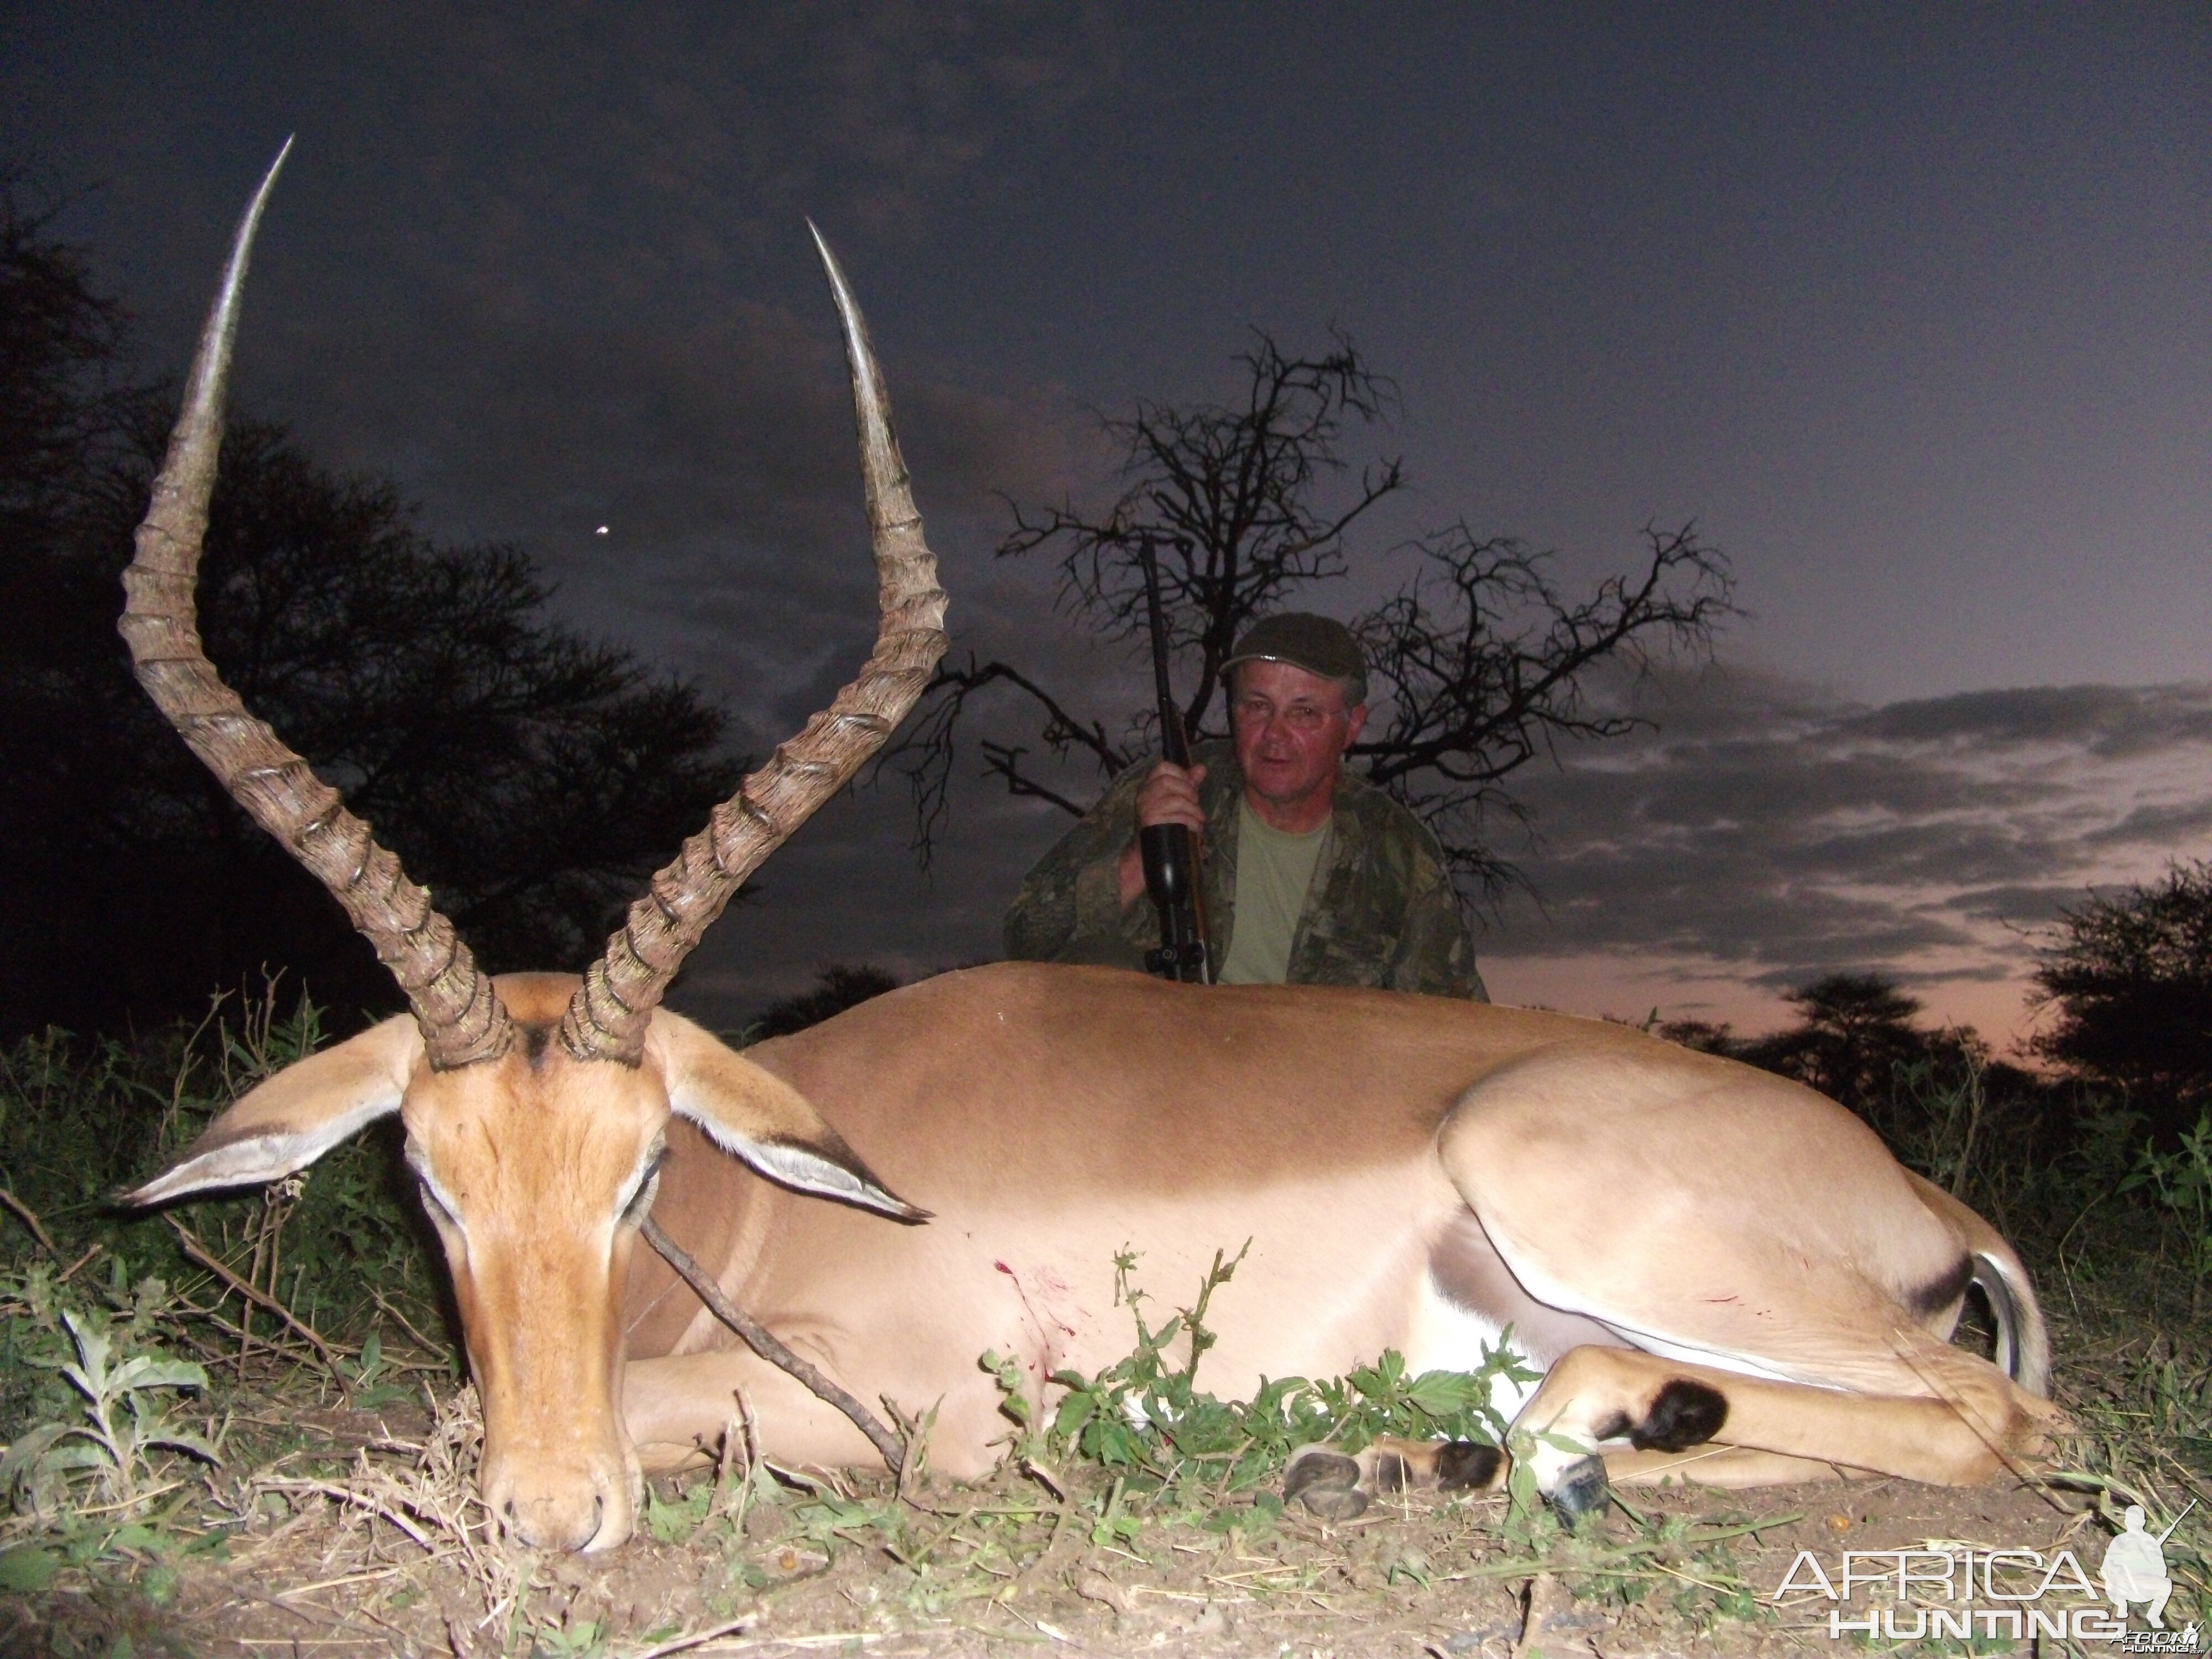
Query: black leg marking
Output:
(1391,1473)
(1462,1466)
(1942,1293)
(1683,1414)
(1583,1490)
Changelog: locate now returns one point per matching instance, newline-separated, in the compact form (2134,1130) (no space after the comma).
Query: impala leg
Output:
(1339,1485)
(1729,1468)
(1713,1427)
(1971,1425)
(676,1407)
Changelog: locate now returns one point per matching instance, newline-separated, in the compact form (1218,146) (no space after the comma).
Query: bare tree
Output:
(1482,660)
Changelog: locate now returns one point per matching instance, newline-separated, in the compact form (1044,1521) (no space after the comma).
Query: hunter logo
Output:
(2135,1567)
(1967,1593)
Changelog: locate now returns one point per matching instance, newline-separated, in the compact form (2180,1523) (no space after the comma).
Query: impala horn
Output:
(606,1019)
(462,1020)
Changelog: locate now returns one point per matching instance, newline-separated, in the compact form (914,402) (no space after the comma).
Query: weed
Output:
(1173,1449)
(2182,1181)
(125,1421)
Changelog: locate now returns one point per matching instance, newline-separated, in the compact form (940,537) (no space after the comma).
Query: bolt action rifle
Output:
(1169,850)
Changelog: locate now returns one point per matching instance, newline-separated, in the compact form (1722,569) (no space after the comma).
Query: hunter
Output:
(1312,876)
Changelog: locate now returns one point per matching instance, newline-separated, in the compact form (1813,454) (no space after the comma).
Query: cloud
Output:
(2114,721)
(864,114)
(1772,832)
(719,458)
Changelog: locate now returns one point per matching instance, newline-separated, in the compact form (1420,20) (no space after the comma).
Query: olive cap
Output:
(1320,645)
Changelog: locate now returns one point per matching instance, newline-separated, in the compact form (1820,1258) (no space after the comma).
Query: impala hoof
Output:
(1583,1490)
(1327,1483)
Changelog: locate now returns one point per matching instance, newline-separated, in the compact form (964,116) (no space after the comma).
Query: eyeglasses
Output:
(1303,718)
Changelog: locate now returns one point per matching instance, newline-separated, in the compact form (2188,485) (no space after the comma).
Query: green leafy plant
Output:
(1145,1420)
(124,1421)
(2182,1181)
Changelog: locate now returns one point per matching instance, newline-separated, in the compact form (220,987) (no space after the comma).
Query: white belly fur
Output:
(1447,1337)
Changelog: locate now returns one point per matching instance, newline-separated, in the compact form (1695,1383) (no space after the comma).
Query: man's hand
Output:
(1169,795)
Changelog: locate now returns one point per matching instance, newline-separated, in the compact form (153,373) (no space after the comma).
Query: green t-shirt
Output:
(1273,870)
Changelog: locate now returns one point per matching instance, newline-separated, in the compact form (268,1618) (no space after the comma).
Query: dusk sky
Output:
(1909,308)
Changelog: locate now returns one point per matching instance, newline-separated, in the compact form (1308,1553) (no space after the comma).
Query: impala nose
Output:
(556,1509)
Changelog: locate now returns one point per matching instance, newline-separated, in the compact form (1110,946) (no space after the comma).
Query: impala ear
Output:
(755,1116)
(291,1120)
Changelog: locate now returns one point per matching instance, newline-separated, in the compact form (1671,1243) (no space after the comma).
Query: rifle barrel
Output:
(1175,743)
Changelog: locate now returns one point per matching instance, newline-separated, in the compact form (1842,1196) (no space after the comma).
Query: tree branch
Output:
(925,756)
(763,1342)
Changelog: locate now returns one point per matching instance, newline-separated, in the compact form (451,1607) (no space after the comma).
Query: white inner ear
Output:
(789,1164)
(258,1159)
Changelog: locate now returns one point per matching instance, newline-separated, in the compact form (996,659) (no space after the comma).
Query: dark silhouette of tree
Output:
(1483,661)
(59,411)
(2129,980)
(1853,1031)
(1939,1099)
(530,777)
(1706,1036)
(837,988)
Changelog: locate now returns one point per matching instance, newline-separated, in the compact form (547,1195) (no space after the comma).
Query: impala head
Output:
(534,1104)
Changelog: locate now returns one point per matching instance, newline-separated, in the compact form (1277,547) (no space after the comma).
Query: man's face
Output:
(1293,728)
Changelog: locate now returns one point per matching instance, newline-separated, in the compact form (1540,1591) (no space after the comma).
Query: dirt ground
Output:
(389,1556)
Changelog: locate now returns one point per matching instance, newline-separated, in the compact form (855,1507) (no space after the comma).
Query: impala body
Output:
(1723,1275)
(1407,1170)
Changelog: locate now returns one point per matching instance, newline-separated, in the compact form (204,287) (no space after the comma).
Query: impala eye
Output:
(440,1211)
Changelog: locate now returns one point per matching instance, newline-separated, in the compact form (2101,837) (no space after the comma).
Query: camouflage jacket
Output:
(1381,912)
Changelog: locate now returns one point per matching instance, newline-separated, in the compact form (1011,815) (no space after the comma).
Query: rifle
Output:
(1169,851)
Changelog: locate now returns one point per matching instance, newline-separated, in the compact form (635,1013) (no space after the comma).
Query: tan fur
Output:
(1051,1117)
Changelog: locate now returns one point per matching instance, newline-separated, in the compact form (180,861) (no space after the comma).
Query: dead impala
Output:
(1724,1276)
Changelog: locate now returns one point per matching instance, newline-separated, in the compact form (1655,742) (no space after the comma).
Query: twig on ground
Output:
(1051,1543)
(678,1644)
(25,1214)
(353,1496)
(717,1503)
(407,1325)
(1542,1589)
(758,1337)
(252,1293)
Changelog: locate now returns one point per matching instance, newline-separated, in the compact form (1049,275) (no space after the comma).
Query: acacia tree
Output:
(1479,663)
(2129,980)
(531,776)
(1854,1032)
(58,408)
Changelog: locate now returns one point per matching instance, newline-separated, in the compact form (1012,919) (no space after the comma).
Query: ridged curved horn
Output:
(606,1018)
(461,1018)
